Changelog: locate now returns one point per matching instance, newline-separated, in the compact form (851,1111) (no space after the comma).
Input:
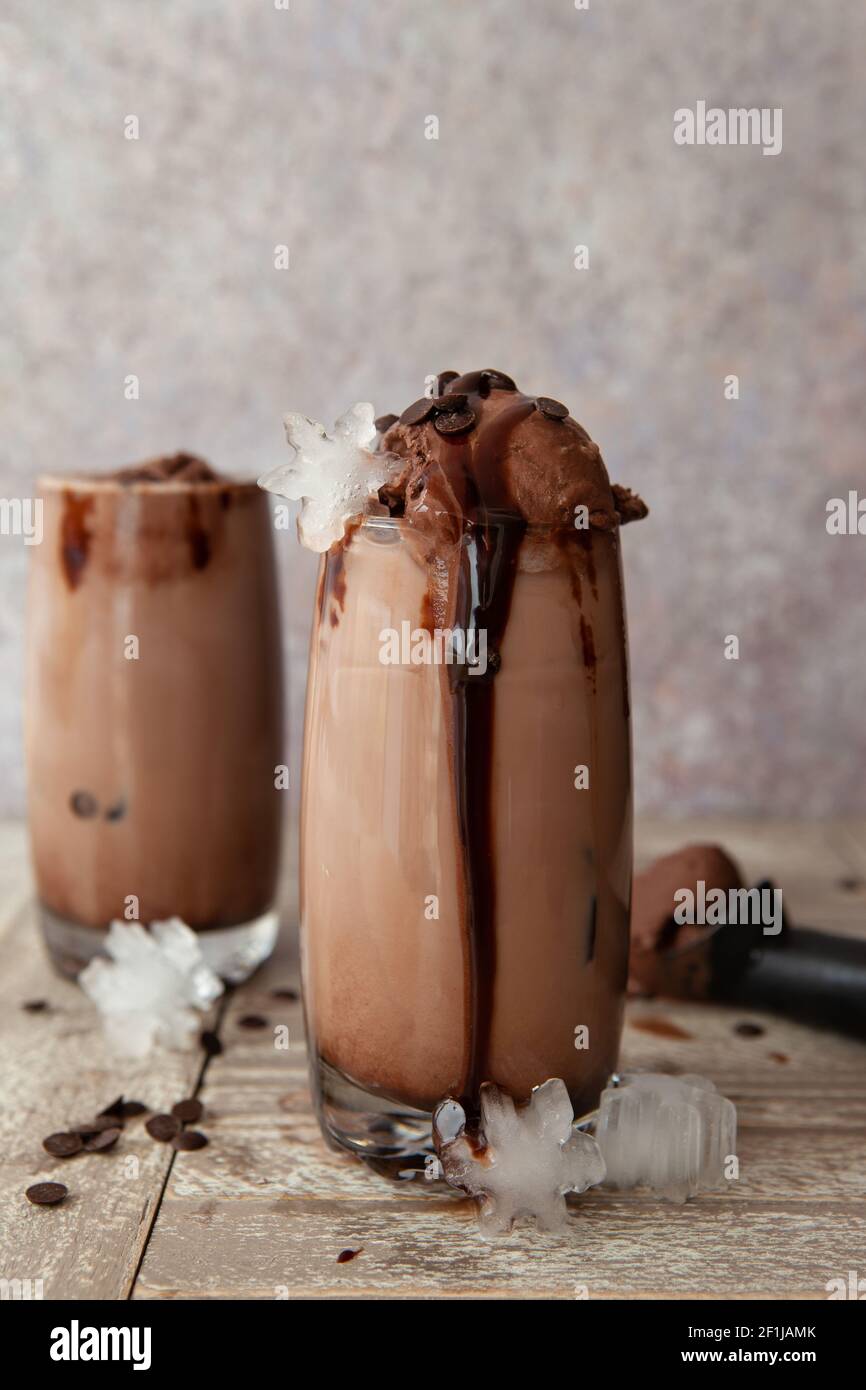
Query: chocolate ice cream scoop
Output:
(808,975)
(653,928)
(480,447)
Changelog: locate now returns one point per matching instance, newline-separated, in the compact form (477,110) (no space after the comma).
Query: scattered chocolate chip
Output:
(384,422)
(457,423)
(445,379)
(116,812)
(252,1021)
(554,410)
(778,1056)
(189,1139)
(114,1110)
(346,1255)
(162,1127)
(851,885)
(63,1145)
(188,1111)
(749,1030)
(83,804)
(35,1006)
(131,1108)
(500,380)
(417,412)
(46,1194)
(290,994)
(94,1126)
(211,1043)
(457,401)
(106,1139)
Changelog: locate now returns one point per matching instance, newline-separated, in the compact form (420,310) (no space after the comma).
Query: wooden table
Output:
(264,1211)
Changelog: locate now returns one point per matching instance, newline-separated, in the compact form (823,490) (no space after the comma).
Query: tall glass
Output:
(154,714)
(436,958)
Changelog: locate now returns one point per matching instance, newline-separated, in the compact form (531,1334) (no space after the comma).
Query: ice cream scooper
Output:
(810,976)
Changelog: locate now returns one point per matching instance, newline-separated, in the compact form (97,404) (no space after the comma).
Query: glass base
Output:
(233,953)
(394,1140)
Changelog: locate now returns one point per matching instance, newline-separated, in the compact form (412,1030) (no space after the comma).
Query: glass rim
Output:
(110,483)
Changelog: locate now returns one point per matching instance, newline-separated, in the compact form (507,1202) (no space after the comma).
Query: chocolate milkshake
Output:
(153,710)
(466,822)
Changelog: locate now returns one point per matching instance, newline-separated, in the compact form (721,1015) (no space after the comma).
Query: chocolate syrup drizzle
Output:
(485,583)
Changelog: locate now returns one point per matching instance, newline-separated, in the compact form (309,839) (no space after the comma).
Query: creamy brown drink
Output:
(153,710)
(466,823)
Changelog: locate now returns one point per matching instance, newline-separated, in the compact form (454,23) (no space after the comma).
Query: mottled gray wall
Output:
(408,255)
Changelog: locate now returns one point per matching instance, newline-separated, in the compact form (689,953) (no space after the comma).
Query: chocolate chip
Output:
(455,424)
(131,1108)
(346,1255)
(188,1111)
(211,1043)
(63,1145)
(384,422)
(417,412)
(500,380)
(46,1194)
(444,381)
(484,384)
(116,812)
(290,994)
(749,1030)
(457,401)
(252,1021)
(35,1006)
(83,804)
(114,1110)
(554,410)
(105,1140)
(189,1139)
(94,1126)
(162,1127)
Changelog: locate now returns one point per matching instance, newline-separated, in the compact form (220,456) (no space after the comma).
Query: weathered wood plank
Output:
(278,1246)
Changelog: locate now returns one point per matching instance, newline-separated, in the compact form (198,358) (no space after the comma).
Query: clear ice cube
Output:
(150,989)
(673,1134)
(523,1160)
(335,476)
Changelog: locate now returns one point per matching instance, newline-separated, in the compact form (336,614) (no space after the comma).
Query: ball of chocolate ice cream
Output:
(481,447)
(653,929)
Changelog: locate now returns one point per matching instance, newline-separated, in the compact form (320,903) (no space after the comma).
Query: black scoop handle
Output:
(810,976)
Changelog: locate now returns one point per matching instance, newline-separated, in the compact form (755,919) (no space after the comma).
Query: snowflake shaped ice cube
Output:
(524,1159)
(333,475)
(673,1134)
(152,988)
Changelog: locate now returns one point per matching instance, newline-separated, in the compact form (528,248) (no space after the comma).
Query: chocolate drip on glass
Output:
(485,580)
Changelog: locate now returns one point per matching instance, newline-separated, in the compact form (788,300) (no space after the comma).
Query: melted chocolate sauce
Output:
(197,536)
(333,596)
(485,582)
(75,536)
